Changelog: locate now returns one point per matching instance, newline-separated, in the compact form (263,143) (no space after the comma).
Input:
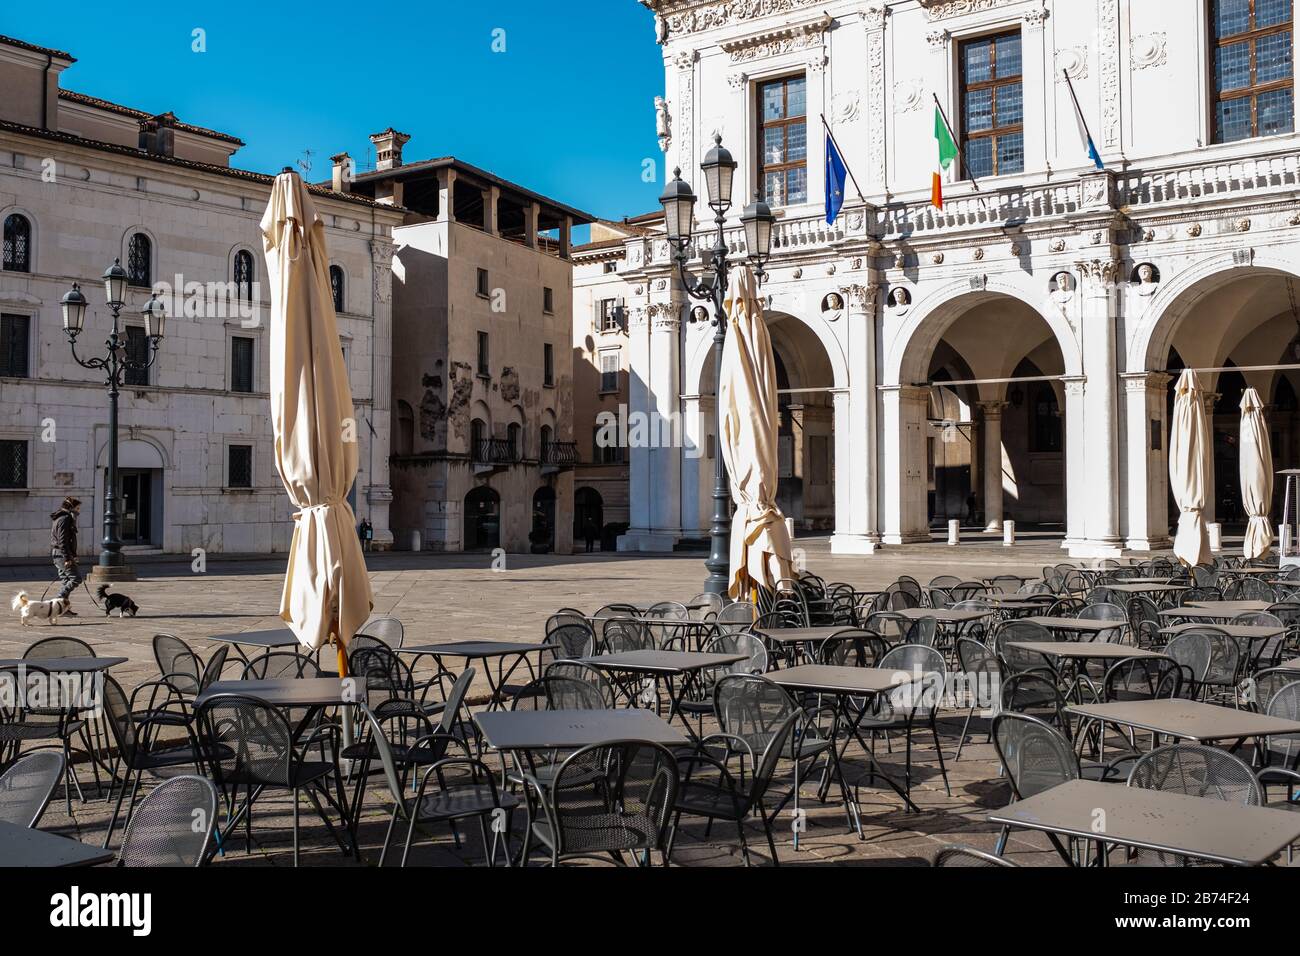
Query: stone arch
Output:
(699,351)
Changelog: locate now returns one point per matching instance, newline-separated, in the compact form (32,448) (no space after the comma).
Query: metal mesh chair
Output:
(1035,757)
(1264,684)
(911,705)
(1268,652)
(52,648)
(570,637)
(1197,771)
(27,786)
(1192,650)
(64,722)
(939,597)
(1144,622)
(715,604)
(1142,678)
(1005,583)
(1205,576)
(280,665)
(1016,660)
(615,610)
(969,590)
(739,615)
(622,635)
(1228,658)
(387,629)
(624,809)
(945,581)
(1284,749)
(1199,593)
(852,647)
(178,663)
(1249,589)
(582,671)
(248,743)
(967,856)
(980,680)
(165,830)
(20,725)
(923,631)
(1036,695)
(708,789)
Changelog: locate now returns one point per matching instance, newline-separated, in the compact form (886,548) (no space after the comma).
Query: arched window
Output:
(404,441)
(17,244)
(139,261)
(336,287)
(515,438)
(548,436)
(478,440)
(244,275)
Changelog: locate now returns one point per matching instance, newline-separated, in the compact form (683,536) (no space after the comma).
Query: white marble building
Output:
(1012,353)
(84,181)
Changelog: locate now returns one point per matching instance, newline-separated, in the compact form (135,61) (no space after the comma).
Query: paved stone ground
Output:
(452,597)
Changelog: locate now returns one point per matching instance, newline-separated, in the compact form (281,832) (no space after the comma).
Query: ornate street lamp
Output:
(113,364)
(711,286)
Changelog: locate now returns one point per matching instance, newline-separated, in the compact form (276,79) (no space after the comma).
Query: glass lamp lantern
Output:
(719,173)
(155,318)
(73,305)
(115,279)
(679,208)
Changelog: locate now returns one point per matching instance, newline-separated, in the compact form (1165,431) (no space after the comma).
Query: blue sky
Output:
(566,110)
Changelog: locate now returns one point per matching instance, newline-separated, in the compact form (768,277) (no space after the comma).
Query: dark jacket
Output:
(63,534)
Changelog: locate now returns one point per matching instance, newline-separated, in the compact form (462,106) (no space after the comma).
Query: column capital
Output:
(861,298)
(664,316)
(1074,384)
(907,393)
(874,15)
(1100,275)
(992,409)
(1146,381)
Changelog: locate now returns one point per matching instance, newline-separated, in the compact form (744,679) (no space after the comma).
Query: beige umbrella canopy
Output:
(1256,469)
(760,542)
(1189,469)
(326,587)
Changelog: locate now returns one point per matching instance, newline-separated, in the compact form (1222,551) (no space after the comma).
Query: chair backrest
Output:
(116,708)
(981,673)
(1227,658)
(570,639)
(738,612)
(1250,589)
(1192,649)
(1197,771)
(922,630)
(559,692)
(1143,678)
(1285,703)
(967,590)
(164,829)
(1065,607)
(1101,595)
(616,610)
(747,643)
(1016,659)
(852,647)
(1038,696)
(360,641)
(1198,593)
(379,741)
(387,629)
(930,677)
(280,665)
(1034,754)
(1268,652)
(455,701)
(1205,576)
(28,784)
(1267,683)
(246,741)
(177,663)
(714,602)
(1006,583)
(668,611)
(582,671)
(944,581)
(1103,611)
(212,670)
(623,635)
(780,744)
(638,776)
(384,673)
(51,648)
(751,707)
(1143,620)
(939,597)
(968,856)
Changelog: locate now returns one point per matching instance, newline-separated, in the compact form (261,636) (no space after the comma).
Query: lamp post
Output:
(114,362)
(711,286)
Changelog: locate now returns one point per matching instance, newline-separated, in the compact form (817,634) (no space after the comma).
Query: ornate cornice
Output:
(799,36)
(942,9)
(679,17)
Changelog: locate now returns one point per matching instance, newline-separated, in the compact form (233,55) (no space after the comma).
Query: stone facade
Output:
(85,183)
(1011,353)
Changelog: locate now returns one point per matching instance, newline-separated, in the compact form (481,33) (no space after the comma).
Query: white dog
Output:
(49,610)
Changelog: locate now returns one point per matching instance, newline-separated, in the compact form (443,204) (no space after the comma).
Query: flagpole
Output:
(1079,112)
(847,168)
(956,142)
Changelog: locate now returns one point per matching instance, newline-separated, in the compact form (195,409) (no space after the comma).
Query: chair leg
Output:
(938,748)
(771,843)
(744,844)
(388,835)
(961,742)
(295,827)
(121,795)
(1002,841)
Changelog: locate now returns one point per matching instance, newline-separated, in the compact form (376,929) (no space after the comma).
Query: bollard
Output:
(789,527)
(416,543)
(1216,536)
(1284,539)
(1008,533)
(954,532)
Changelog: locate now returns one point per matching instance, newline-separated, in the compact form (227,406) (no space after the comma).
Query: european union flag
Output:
(836,173)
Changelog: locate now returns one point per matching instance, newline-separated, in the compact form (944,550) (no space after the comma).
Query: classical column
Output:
(992,422)
(639,487)
(877,100)
(857,522)
(1146,460)
(1075,447)
(699,421)
(1100,498)
(1037,61)
(664,427)
(378,491)
(903,461)
(446,195)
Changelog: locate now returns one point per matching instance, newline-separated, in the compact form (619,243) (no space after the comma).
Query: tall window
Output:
(609,371)
(478,440)
(548,363)
(783,141)
(604,452)
(15,342)
(137,350)
(17,244)
(548,300)
(483,364)
(13,464)
(139,261)
(610,315)
(244,275)
(515,439)
(1252,68)
(992,105)
(336,287)
(241,363)
(483,282)
(240,468)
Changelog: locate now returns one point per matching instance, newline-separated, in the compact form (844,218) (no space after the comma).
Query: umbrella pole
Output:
(342,655)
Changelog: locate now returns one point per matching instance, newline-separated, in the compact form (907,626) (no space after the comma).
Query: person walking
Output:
(63,547)
(590,532)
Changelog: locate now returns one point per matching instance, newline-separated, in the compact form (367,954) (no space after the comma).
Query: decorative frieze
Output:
(1148,50)
(942,9)
(786,39)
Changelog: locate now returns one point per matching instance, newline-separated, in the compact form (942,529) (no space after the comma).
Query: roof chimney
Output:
(343,173)
(388,148)
(158,134)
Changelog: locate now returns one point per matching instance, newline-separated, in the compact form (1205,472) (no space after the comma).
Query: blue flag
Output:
(1085,136)
(836,173)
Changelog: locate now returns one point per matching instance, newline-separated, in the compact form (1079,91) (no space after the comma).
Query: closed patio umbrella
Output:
(760,542)
(326,587)
(1189,469)
(1256,469)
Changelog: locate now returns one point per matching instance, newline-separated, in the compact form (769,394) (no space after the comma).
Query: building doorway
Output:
(136,505)
(482,520)
(588,518)
(542,537)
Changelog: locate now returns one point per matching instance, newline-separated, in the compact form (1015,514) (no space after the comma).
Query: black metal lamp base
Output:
(113,573)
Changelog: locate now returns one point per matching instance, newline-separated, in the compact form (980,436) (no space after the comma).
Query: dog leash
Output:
(89,594)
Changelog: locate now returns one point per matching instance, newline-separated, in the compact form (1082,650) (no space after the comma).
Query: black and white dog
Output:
(120,603)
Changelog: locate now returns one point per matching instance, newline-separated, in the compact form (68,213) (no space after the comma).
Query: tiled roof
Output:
(121,110)
(23,44)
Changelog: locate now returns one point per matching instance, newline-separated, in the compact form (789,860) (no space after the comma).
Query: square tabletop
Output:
(798,635)
(275,637)
(569,729)
(944,615)
(291,691)
(1145,587)
(1248,571)
(1075,624)
(1153,580)
(1187,719)
(22,846)
(1242,632)
(1157,820)
(64,665)
(471,650)
(661,662)
(832,679)
(1291,667)
(1084,650)
(1232,608)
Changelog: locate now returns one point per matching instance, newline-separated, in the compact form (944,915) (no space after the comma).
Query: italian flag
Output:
(947,153)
